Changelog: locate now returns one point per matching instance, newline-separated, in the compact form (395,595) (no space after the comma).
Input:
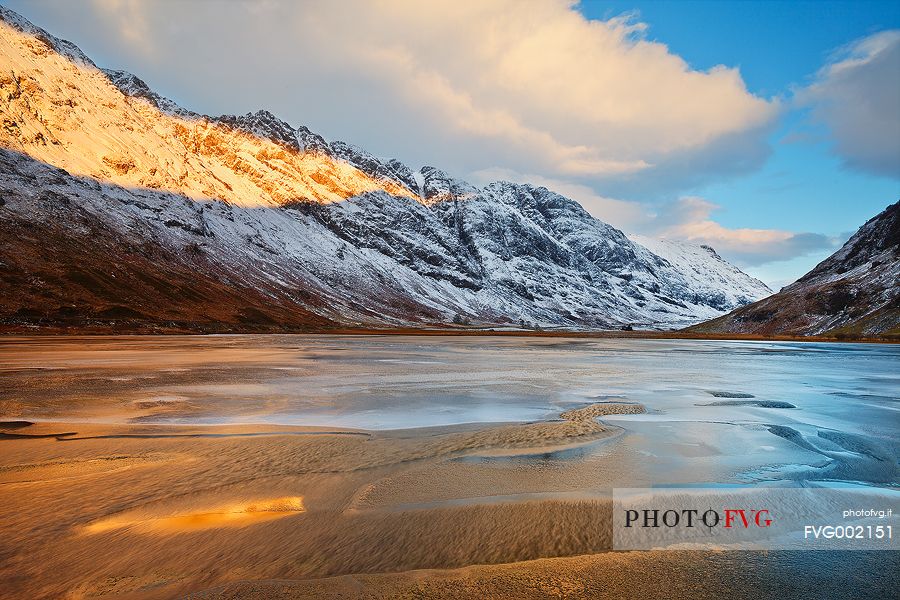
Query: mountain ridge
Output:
(345,237)
(855,292)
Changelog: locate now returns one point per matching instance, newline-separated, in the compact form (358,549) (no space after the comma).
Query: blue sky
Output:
(778,47)
(769,130)
(775,44)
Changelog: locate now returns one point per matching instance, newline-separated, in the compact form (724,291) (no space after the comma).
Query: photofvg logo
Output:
(689,517)
(818,518)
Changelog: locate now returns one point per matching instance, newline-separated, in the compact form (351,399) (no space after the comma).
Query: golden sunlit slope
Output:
(63,110)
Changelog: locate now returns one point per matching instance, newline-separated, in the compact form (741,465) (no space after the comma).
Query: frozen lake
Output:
(717,411)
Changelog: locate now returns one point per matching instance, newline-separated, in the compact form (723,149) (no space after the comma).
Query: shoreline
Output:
(14,331)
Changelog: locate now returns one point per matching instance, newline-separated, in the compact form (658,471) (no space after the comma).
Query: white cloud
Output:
(690,218)
(126,17)
(857,96)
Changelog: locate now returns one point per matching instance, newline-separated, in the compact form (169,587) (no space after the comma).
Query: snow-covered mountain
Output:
(854,292)
(705,272)
(120,206)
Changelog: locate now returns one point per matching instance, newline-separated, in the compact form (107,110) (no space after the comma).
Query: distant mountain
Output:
(854,292)
(121,208)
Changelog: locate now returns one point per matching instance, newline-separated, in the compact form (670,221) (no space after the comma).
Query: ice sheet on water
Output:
(842,426)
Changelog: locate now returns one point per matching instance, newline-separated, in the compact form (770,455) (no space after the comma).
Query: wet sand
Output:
(276,512)
(613,576)
(156,511)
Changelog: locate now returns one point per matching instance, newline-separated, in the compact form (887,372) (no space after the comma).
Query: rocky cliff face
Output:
(854,292)
(236,221)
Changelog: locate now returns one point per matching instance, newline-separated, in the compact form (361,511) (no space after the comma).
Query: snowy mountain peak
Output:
(131,85)
(265,125)
(438,186)
(704,269)
(711,250)
(61,47)
(310,141)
